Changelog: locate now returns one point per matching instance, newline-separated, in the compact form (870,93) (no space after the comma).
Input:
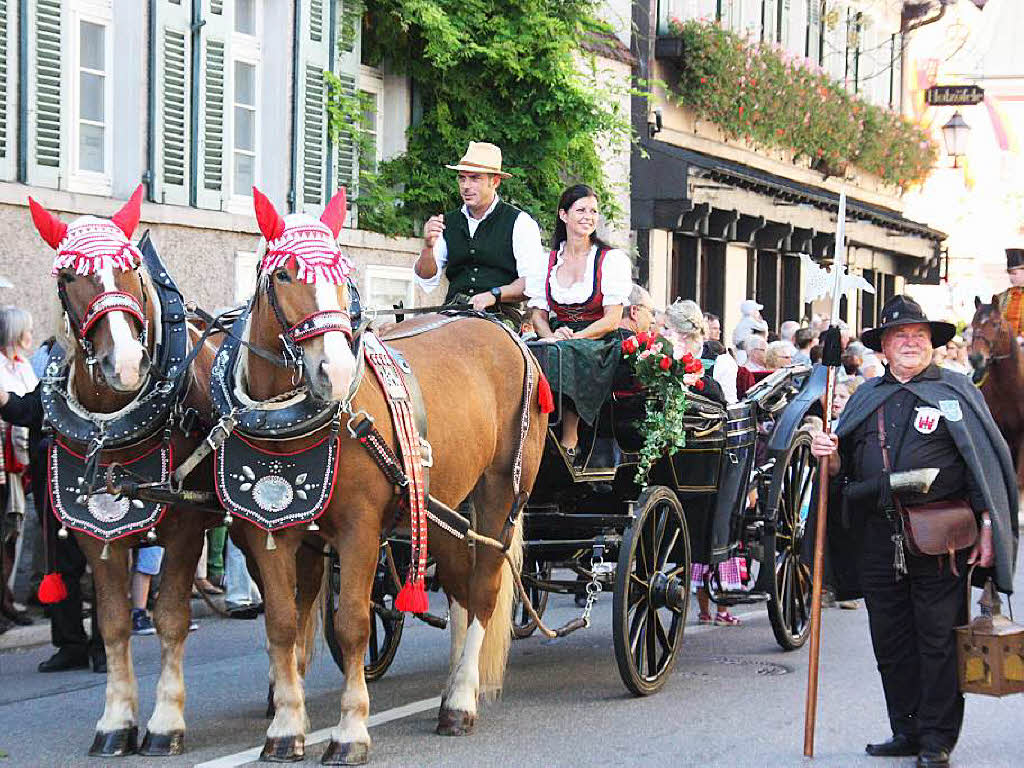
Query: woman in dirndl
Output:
(577,304)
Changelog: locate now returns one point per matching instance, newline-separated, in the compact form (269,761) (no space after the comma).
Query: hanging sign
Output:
(954,95)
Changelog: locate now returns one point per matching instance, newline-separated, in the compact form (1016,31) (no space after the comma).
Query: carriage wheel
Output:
(386,624)
(652,591)
(523,624)
(790,605)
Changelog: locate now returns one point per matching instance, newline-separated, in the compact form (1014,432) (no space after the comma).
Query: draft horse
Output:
(999,373)
(118,392)
(472,375)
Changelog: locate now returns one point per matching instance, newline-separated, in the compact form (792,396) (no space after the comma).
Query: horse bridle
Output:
(981,372)
(103,304)
(312,325)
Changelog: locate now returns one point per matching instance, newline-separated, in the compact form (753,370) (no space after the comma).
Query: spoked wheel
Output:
(790,605)
(386,624)
(652,591)
(523,624)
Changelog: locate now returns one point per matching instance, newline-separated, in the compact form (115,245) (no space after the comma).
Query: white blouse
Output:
(616,281)
(17,375)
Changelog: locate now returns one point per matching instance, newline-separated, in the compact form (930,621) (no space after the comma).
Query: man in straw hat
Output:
(484,248)
(1011,301)
(926,417)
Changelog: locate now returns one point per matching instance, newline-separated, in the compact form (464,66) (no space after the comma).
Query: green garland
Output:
(485,70)
(760,93)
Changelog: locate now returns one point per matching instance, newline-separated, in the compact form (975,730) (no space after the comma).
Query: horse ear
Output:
(995,304)
(977,302)
(50,227)
(270,222)
(127,219)
(334,214)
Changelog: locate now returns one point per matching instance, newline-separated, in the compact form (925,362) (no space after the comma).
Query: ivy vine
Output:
(504,71)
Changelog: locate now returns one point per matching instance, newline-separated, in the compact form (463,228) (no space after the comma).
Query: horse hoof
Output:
(350,753)
(123,741)
(284,749)
(455,722)
(163,744)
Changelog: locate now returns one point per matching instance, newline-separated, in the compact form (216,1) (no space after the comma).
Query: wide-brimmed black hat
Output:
(903,310)
(1014,258)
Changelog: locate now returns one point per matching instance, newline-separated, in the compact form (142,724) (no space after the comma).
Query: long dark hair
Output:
(565,202)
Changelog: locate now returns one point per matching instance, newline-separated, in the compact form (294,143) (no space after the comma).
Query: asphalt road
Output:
(733,699)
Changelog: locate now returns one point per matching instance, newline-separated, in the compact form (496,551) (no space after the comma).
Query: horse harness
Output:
(154,412)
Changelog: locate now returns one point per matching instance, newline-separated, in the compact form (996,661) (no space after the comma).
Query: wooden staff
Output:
(838,270)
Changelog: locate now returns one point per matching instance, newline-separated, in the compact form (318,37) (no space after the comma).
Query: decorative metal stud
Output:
(228,519)
(313,526)
(151,535)
(105,553)
(271,545)
(62,533)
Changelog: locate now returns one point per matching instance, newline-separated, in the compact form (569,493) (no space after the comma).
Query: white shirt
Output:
(745,327)
(17,375)
(616,281)
(725,374)
(526,245)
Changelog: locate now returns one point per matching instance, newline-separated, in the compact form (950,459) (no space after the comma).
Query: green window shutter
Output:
(315,58)
(812,49)
(217,6)
(45,130)
(172,129)
(6,117)
(345,159)
(346,146)
(212,189)
(895,80)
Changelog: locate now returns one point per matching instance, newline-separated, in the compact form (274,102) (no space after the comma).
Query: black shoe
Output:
(21,618)
(242,610)
(933,758)
(899,745)
(99,663)
(65,659)
(580,600)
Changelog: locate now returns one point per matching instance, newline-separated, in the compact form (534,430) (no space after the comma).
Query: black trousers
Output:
(66,627)
(912,622)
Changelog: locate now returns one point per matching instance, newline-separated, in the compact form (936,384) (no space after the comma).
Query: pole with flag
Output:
(831,359)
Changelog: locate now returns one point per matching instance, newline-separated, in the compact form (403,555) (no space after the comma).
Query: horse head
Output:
(102,293)
(991,337)
(301,306)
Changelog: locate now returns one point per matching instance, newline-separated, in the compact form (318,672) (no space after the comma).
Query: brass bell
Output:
(990,649)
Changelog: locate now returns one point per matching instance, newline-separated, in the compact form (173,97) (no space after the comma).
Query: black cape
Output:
(979,441)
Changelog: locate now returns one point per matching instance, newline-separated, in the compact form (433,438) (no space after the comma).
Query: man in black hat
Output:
(1011,301)
(926,417)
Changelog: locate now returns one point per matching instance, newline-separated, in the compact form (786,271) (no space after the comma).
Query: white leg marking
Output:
(462,694)
(127,349)
(122,699)
(458,619)
(339,363)
(355,707)
(169,712)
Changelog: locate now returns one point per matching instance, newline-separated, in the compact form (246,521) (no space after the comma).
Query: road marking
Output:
(387,716)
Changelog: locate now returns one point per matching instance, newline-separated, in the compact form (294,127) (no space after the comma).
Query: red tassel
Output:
(544,396)
(412,598)
(52,589)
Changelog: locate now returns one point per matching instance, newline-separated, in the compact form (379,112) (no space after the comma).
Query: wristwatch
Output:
(496,293)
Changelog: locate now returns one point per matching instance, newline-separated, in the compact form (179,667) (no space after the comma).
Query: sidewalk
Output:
(18,638)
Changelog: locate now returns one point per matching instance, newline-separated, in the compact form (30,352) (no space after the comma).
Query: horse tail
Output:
(498,635)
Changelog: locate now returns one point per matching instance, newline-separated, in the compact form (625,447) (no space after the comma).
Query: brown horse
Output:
(109,298)
(472,376)
(999,373)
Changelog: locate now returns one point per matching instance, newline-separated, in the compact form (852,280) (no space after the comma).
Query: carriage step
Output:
(739,597)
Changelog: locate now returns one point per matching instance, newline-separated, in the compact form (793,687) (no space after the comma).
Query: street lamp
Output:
(954,134)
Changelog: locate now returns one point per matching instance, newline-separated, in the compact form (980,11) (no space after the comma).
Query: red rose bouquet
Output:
(666,372)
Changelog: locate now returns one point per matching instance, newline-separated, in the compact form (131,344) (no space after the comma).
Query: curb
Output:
(23,638)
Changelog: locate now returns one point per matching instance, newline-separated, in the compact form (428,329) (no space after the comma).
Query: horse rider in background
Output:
(1011,301)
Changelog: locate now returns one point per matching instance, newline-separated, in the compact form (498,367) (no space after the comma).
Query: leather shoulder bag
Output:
(935,528)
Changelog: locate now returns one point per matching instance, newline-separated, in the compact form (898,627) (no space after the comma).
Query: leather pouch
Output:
(939,527)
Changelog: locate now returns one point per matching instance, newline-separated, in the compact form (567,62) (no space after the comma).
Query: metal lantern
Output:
(990,649)
(955,134)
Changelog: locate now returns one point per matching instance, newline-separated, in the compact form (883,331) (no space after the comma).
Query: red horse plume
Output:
(270,222)
(127,219)
(50,227)
(334,214)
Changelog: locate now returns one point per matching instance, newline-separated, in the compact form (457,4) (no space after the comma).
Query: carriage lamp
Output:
(990,650)
(955,134)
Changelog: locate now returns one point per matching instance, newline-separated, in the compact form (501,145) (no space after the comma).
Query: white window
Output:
(244,161)
(245,17)
(245,276)
(89,56)
(387,286)
(371,91)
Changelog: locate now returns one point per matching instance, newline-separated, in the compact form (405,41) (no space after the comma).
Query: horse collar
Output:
(149,411)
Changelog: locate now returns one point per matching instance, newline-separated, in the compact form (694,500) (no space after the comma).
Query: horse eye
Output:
(283,276)
(67,277)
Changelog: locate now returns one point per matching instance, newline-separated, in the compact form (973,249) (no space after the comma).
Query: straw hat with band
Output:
(903,310)
(481,157)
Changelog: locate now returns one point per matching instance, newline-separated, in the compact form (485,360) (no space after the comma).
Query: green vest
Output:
(484,261)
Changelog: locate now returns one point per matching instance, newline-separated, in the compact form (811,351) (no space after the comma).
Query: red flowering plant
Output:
(665,371)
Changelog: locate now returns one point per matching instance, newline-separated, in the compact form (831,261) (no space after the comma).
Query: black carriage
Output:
(741,487)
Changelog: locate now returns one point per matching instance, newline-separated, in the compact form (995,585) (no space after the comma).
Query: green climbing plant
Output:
(512,72)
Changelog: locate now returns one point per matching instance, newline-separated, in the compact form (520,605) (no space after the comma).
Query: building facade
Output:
(720,219)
